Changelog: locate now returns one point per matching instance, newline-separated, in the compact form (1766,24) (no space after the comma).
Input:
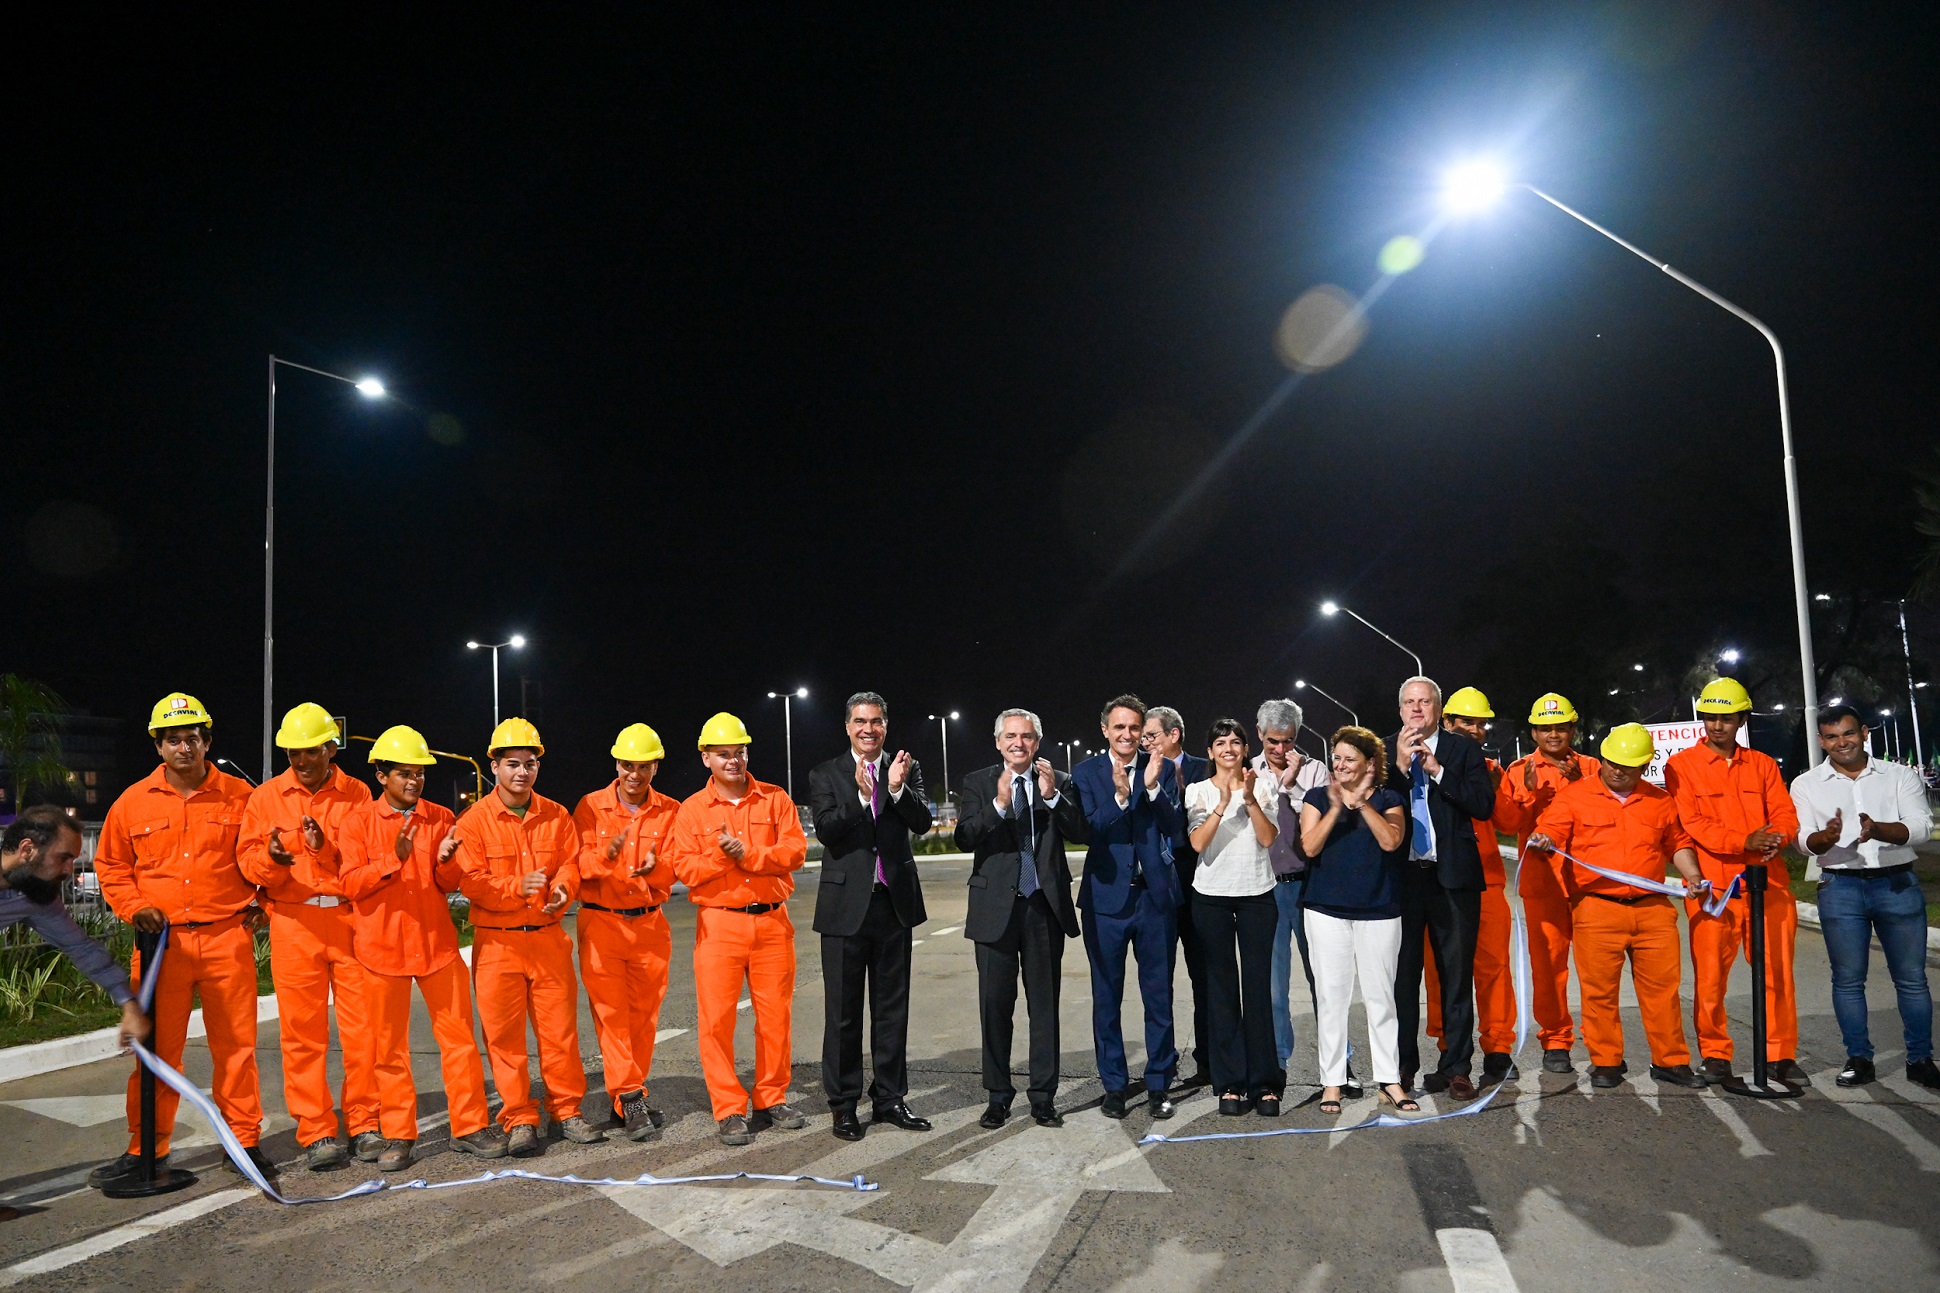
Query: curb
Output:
(32,1060)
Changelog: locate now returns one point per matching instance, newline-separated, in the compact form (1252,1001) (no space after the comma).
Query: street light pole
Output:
(1301,684)
(945,720)
(516,642)
(1328,608)
(369,388)
(1912,701)
(788,731)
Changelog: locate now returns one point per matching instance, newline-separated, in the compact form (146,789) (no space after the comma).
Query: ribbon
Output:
(1711,906)
(238,1155)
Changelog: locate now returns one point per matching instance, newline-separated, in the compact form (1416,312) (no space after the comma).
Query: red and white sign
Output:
(1669,738)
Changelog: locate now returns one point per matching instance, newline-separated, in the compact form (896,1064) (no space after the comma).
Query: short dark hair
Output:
(1225,727)
(43,824)
(1127,701)
(1833,715)
(864,698)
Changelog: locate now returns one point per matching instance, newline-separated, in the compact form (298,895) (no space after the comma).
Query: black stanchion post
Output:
(1759,1088)
(148,1179)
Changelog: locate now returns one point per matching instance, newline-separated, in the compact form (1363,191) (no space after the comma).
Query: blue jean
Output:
(1852,910)
(1291,929)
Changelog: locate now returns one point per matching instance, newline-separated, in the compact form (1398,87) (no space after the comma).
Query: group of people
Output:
(1381,868)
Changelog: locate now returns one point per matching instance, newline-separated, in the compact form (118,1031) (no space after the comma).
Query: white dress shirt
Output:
(1018,807)
(1131,774)
(1235,864)
(1885,792)
(1417,849)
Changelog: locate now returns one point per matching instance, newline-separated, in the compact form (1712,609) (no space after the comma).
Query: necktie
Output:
(875,810)
(1020,798)
(1418,809)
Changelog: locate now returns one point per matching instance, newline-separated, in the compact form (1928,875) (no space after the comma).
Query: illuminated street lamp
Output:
(1333,608)
(1301,684)
(788,729)
(945,720)
(517,643)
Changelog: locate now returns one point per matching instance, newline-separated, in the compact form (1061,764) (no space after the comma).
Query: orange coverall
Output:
(522,960)
(732,944)
(159,849)
(1610,919)
(1495,985)
(404,933)
(1721,802)
(1545,907)
(624,941)
(310,959)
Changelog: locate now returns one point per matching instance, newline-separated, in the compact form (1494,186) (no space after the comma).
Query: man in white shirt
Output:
(1293,774)
(1859,819)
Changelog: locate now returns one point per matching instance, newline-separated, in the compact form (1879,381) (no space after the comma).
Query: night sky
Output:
(859,350)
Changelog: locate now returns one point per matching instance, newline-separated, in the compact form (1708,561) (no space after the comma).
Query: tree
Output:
(30,734)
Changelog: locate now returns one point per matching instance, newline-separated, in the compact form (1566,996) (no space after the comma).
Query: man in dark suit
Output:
(1445,779)
(866,807)
(1164,736)
(1016,818)
(1130,899)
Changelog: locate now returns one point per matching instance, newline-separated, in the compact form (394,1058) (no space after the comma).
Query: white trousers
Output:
(1336,949)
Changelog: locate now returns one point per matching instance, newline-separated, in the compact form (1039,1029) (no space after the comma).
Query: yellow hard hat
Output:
(401,745)
(1551,708)
(1629,745)
(638,743)
(306,727)
(724,729)
(178,709)
(1724,696)
(513,734)
(1468,703)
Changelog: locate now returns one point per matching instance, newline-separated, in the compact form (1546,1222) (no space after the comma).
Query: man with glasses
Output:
(1293,774)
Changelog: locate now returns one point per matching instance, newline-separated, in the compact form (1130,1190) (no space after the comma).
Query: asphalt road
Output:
(1552,1187)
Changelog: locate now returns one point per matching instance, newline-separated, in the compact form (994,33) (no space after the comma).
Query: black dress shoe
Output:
(995,1116)
(1715,1072)
(1677,1075)
(1046,1115)
(898,1115)
(1557,1060)
(1788,1071)
(1858,1072)
(1924,1072)
(1114,1104)
(1160,1104)
(1496,1065)
(1434,1084)
(1605,1076)
(847,1126)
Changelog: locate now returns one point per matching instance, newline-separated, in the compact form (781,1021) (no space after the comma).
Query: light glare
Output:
(1472,186)
(1329,608)
(517,640)
(371,388)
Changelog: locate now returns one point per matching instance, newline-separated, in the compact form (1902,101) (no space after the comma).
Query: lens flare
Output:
(1401,254)
(1319,330)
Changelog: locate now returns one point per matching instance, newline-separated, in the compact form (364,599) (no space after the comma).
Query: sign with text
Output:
(1669,738)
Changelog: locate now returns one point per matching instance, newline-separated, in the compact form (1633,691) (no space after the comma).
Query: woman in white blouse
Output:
(1231,820)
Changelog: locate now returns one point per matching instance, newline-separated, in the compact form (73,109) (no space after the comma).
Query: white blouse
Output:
(1235,864)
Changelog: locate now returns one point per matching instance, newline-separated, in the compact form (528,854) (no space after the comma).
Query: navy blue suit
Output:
(1192,949)
(1129,899)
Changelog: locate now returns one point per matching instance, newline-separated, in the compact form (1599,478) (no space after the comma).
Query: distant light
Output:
(771,695)
(1835,700)
(1822,597)
(1779,708)
(1614,690)
(801,693)
(1329,608)
(1639,668)
(1729,655)
(953,713)
(517,640)
(1299,684)
(472,645)
(1886,713)
(1472,186)
(371,388)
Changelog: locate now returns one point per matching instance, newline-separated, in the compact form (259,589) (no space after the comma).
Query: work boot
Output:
(1556,1059)
(734,1131)
(1788,1071)
(784,1116)
(1677,1075)
(365,1146)
(125,1165)
(639,1119)
(1715,1071)
(1605,1076)
(322,1155)
(396,1156)
(580,1132)
(1923,1072)
(256,1156)
(1859,1071)
(487,1142)
(522,1140)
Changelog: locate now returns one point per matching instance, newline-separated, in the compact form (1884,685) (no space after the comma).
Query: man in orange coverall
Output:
(1619,821)
(1528,786)
(1467,711)
(736,845)
(167,856)
(520,854)
(624,942)
(394,862)
(288,847)
(1734,803)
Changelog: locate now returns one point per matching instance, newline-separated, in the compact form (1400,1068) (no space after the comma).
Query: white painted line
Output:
(1475,1262)
(915,942)
(109,1240)
(668,1034)
(744,1003)
(1864,1105)
(32,1060)
(947,929)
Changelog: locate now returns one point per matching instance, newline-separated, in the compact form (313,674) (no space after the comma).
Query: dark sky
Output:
(857,350)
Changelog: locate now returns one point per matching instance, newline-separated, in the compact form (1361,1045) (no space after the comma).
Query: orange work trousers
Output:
(1495,985)
(732,948)
(623,960)
(526,975)
(1546,913)
(1604,933)
(311,964)
(218,963)
(447,997)
(1716,943)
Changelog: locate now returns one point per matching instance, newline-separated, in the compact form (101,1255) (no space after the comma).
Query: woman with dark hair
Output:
(1354,831)
(1231,819)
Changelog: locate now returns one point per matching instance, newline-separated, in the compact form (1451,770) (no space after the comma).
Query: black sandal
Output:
(1406,1104)
(1329,1107)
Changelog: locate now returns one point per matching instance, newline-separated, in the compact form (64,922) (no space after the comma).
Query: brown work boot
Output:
(522,1140)
(580,1132)
(640,1119)
(365,1146)
(486,1142)
(322,1155)
(396,1156)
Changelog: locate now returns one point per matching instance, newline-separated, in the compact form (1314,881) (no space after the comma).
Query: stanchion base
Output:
(131,1186)
(1772,1090)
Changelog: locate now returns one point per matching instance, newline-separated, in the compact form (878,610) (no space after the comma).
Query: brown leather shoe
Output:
(1460,1088)
(1789,1072)
(1715,1071)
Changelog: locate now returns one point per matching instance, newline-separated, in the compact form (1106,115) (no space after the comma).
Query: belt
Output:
(204,924)
(754,908)
(323,900)
(515,929)
(622,911)
(1865,872)
(1627,902)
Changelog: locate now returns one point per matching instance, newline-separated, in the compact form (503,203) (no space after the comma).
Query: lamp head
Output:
(518,641)
(1472,186)
(471,646)
(1729,655)
(953,714)
(1299,684)
(801,693)
(1330,608)
(370,388)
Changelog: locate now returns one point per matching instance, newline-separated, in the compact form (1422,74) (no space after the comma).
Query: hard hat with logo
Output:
(1550,709)
(513,734)
(306,727)
(724,729)
(178,709)
(638,743)
(1724,696)
(1468,703)
(401,745)
(1629,745)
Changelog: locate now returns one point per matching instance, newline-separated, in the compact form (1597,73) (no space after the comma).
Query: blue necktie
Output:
(1020,798)
(1418,809)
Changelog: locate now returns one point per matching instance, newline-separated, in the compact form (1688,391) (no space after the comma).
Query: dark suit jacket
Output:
(1463,794)
(1185,859)
(994,842)
(1147,830)
(851,839)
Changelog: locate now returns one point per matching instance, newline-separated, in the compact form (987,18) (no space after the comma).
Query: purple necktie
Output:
(875,810)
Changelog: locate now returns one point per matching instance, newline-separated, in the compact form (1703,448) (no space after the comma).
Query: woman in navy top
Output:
(1354,831)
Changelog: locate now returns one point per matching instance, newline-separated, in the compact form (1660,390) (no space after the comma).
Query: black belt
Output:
(1866,871)
(755,908)
(516,929)
(203,924)
(622,911)
(1627,902)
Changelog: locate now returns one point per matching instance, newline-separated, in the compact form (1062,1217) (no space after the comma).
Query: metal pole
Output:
(1808,671)
(788,741)
(494,688)
(1912,699)
(946,758)
(1419,671)
(269,570)
(148,1178)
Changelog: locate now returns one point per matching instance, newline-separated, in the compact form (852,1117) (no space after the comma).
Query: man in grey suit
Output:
(1016,819)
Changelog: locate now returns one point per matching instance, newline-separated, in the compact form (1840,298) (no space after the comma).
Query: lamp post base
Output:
(1770,1089)
(136,1186)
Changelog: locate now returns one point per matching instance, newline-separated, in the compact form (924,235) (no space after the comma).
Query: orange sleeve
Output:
(1512,814)
(566,848)
(790,848)
(312,865)
(695,859)
(1680,838)
(592,860)
(360,872)
(1713,835)
(252,844)
(114,865)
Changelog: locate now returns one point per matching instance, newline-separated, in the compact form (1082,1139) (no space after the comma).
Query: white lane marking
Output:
(628,1247)
(915,942)
(1475,1262)
(667,1035)
(744,1003)
(109,1240)
(947,929)
(1749,1146)
(1865,1106)
(1646,1088)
